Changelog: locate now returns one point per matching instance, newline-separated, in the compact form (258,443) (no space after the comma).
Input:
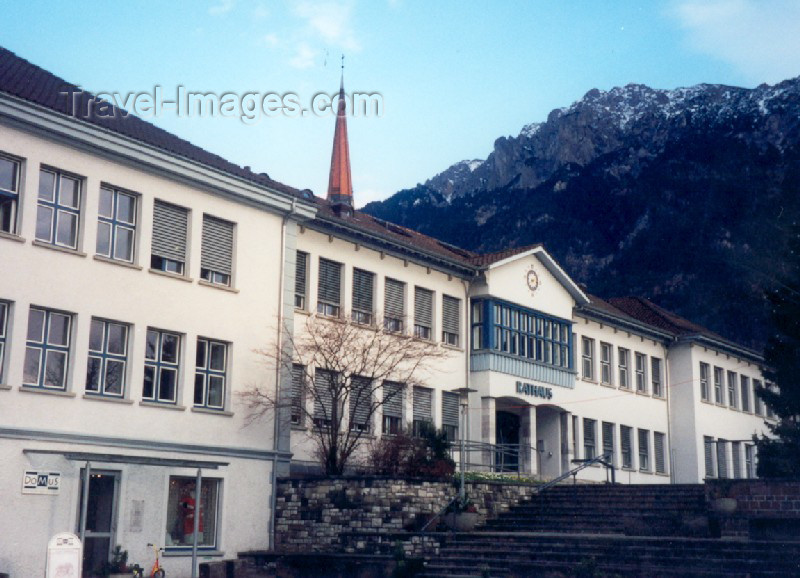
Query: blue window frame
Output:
(108,358)
(116,227)
(47,349)
(161,364)
(3,334)
(210,374)
(59,209)
(515,330)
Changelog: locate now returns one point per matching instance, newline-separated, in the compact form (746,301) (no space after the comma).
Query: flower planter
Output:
(724,506)
(461,521)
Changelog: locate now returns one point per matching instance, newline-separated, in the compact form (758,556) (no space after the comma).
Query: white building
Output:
(126,253)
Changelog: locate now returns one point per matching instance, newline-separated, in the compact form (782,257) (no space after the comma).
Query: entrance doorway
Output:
(507,427)
(101,519)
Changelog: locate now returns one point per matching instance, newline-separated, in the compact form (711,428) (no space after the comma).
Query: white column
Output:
(488,426)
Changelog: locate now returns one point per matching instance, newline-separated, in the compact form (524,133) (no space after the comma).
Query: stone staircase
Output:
(611,530)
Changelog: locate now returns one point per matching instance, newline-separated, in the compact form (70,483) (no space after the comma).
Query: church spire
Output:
(340,185)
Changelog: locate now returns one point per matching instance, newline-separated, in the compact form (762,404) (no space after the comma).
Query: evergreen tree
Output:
(779,456)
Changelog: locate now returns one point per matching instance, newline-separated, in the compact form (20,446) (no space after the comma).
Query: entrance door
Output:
(507,438)
(101,516)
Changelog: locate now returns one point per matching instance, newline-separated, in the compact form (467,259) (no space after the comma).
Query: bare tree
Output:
(342,367)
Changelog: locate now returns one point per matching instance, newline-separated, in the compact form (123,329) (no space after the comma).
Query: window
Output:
(704,382)
(660,452)
(108,357)
(744,382)
(736,461)
(47,349)
(9,194)
(477,325)
(3,335)
(394,307)
(768,407)
(644,450)
(360,403)
(423,408)
(363,289)
(589,438)
(298,395)
(722,459)
(170,226)
(59,209)
(608,441)
(161,363)
(626,444)
(423,312)
(655,377)
(718,377)
(641,378)
(605,363)
(329,288)
(210,373)
(451,320)
(181,510)
(450,403)
(392,407)
(758,403)
(587,355)
(324,387)
(116,227)
(749,461)
(300,279)
(216,252)
(708,446)
(732,387)
(624,379)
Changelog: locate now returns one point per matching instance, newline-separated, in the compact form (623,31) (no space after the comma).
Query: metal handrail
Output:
(604,459)
(439,515)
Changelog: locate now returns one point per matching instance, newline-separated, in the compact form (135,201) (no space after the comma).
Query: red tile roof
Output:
(489,258)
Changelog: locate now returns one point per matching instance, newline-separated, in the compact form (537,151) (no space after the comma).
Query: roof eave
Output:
(624,323)
(723,346)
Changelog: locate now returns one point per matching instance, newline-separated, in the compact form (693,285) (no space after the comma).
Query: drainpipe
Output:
(85,505)
(667,389)
(467,350)
(198,512)
(279,341)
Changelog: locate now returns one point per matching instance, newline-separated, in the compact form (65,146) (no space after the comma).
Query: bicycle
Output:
(156,571)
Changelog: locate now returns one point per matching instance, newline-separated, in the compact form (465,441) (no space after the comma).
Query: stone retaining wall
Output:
(762,509)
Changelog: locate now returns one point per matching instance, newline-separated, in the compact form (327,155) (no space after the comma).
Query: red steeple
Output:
(340,185)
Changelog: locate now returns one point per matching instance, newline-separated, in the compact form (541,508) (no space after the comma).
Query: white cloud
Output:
(331,21)
(304,56)
(222,7)
(759,38)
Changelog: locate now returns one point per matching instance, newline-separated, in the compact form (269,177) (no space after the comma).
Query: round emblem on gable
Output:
(532,279)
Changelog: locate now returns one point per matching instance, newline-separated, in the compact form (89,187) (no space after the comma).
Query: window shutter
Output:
(709,456)
(625,443)
(449,408)
(423,407)
(330,281)
(658,443)
(297,393)
(393,294)
(169,231)
(217,249)
(608,438)
(362,290)
(722,458)
(323,398)
(360,400)
(423,307)
(301,266)
(392,399)
(451,314)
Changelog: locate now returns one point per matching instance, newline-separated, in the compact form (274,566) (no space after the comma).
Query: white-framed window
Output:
(722,459)
(656,381)
(170,231)
(644,450)
(587,356)
(450,409)
(451,320)
(704,395)
(161,366)
(732,389)
(216,251)
(708,453)
(325,382)
(768,407)
(660,452)
(116,224)
(182,507)
(329,288)
(641,372)
(736,459)
(9,193)
(108,358)
(589,438)
(744,383)
(360,403)
(423,408)
(392,406)
(749,461)
(758,403)
(297,414)
(210,373)
(623,362)
(606,354)
(394,305)
(47,349)
(3,336)
(423,313)
(58,212)
(363,296)
(626,446)
(300,279)
(718,393)
(608,441)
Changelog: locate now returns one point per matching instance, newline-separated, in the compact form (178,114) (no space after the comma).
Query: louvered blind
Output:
(608,438)
(423,307)
(323,394)
(722,458)
(360,400)
(449,408)
(301,266)
(297,394)
(217,250)
(625,443)
(394,298)
(169,231)
(330,281)
(451,314)
(363,282)
(708,444)
(423,404)
(392,399)
(658,446)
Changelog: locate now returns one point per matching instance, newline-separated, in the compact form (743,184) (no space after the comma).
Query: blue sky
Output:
(453,76)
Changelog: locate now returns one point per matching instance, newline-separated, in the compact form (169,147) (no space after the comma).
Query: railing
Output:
(493,457)
(603,459)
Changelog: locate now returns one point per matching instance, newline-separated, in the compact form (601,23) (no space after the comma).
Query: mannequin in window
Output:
(188,507)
